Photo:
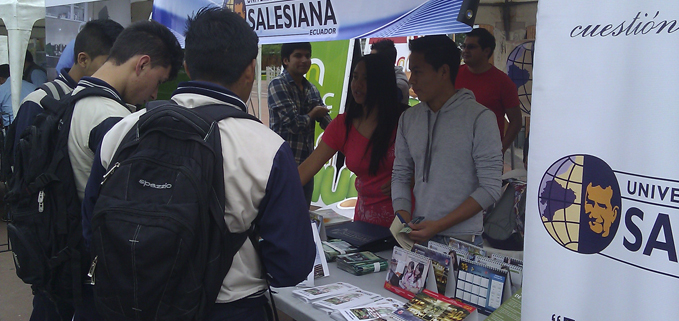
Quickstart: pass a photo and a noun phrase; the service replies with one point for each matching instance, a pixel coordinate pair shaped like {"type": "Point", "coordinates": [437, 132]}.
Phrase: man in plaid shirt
{"type": "Point", "coordinates": [295, 105]}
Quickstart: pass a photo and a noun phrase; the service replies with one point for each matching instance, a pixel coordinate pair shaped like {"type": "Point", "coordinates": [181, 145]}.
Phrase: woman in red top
{"type": "Point", "coordinates": [365, 134]}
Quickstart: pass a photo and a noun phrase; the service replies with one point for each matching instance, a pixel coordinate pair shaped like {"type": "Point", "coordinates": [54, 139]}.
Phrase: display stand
{"type": "Point", "coordinates": [287, 303]}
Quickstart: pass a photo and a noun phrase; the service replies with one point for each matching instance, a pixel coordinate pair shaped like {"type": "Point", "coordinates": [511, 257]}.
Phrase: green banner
{"type": "Point", "coordinates": [329, 73]}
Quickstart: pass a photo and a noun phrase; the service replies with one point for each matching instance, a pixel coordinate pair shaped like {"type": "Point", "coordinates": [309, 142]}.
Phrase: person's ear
{"type": "Point", "coordinates": [143, 62]}
{"type": "Point", "coordinates": [250, 71]}
{"type": "Point", "coordinates": [487, 52]}
{"type": "Point", "coordinates": [83, 59]}
{"type": "Point", "coordinates": [444, 71]}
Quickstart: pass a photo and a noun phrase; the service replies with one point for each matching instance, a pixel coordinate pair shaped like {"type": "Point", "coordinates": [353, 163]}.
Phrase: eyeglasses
{"type": "Point", "coordinates": [469, 46]}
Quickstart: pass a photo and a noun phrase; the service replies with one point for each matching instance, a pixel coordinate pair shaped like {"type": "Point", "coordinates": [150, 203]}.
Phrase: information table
{"type": "Point", "coordinates": [301, 311]}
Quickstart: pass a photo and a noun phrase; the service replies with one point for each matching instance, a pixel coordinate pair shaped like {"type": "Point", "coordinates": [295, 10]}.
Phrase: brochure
{"type": "Point", "coordinates": [335, 247]}
{"type": "Point", "coordinates": [375, 310]}
{"type": "Point", "coordinates": [318, 292]}
{"type": "Point", "coordinates": [345, 300]}
{"type": "Point", "coordinates": [361, 263]}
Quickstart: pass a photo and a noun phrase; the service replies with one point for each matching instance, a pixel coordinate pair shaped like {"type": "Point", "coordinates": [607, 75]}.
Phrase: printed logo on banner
{"type": "Point", "coordinates": [580, 203]}
{"type": "Point", "coordinates": [238, 7]}
{"type": "Point", "coordinates": [314, 18]}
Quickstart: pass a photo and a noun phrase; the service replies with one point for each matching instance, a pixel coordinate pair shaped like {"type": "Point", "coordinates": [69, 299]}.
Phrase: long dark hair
{"type": "Point", "coordinates": [382, 94]}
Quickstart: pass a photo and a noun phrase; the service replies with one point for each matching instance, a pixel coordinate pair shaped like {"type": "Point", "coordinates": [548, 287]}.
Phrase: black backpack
{"type": "Point", "coordinates": [45, 229]}
{"type": "Point", "coordinates": [160, 244]}
{"type": "Point", "coordinates": [53, 90]}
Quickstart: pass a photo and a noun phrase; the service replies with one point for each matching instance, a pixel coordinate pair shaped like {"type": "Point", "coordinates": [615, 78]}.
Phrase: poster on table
{"type": "Point", "coordinates": [277, 21]}
{"type": "Point", "coordinates": [603, 201]}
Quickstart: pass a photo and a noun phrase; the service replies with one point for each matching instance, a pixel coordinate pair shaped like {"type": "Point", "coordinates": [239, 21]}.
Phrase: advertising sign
{"type": "Point", "coordinates": [329, 72]}
{"type": "Point", "coordinates": [603, 181]}
{"type": "Point", "coordinates": [277, 21]}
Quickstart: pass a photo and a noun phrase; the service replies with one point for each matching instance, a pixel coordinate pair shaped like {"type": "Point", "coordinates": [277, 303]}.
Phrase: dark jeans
{"type": "Point", "coordinates": [46, 310]}
{"type": "Point", "coordinates": [253, 309]}
{"type": "Point", "coordinates": [308, 191]}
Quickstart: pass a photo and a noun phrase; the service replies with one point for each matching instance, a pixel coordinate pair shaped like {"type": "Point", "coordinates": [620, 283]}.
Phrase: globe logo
{"type": "Point", "coordinates": [579, 203]}
{"type": "Point", "coordinates": [520, 71]}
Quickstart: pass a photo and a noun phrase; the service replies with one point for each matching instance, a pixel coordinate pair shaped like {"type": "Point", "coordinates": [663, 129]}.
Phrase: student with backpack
{"type": "Point", "coordinates": [92, 45]}
{"type": "Point", "coordinates": [145, 55]}
{"type": "Point", "coordinates": [197, 165]}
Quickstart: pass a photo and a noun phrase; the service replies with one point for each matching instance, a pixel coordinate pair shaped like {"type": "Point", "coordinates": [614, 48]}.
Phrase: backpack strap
{"type": "Point", "coordinates": [53, 89]}
{"type": "Point", "coordinates": [217, 112]}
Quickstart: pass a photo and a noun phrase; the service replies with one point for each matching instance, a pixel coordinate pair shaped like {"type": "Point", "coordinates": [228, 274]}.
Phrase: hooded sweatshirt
{"type": "Point", "coordinates": [453, 154]}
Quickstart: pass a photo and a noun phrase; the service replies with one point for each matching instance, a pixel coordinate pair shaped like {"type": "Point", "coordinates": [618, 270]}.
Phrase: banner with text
{"type": "Point", "coordinates": [603, 199]}
{"type": "Point", "coordinates": [277, 21]}
{"type": "Point", "coordinates": [329, 72]}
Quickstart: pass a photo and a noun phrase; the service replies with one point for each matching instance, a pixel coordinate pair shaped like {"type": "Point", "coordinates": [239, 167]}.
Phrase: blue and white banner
{"type": "Point", "coordinates": [281, 21]}
{"type": "Point", "coordinates": [603, 181]}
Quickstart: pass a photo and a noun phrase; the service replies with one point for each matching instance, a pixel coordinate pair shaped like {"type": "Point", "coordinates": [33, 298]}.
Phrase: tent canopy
{"type": "Point", "coordinates": [295, 21]}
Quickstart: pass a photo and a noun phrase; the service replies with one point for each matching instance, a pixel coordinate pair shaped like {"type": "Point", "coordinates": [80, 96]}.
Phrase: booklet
{"type": "Point", "coordinates": [432, 306]}
{"type": "Point", "coordinates": [361, 263]}
{"type": "Point", "coordinates": [345, 300]}
{"type": "Point", "coordinates": [330, 217]}
{"type": "Point", "coordinates": [400, 230]}
{"type": "Point", "coordinates": [318, 292]}
{"type": "Point", "coordinates": [378, 309]}
{"type": "Point", "coordinates": [335, 247]}
{"type": "Point", "coordinates": [407, 273]}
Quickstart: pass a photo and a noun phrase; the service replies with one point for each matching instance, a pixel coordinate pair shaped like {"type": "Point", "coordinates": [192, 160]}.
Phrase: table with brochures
{"type": "Point", "coordinates": [300, 311]}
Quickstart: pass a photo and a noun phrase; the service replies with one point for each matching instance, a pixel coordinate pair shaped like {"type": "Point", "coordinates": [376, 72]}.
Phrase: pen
{"type": "Point", "coordinates": [400, 218]}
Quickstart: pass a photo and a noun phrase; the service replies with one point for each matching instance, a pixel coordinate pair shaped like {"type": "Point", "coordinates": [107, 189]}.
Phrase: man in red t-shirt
{"type": "Point", "coordinates": [491, 87]}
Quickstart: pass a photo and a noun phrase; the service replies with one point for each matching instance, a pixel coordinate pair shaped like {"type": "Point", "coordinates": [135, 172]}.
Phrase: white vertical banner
{"type": "Point", "coordinates": [19, 17]}
{"type": "Point", "coordinates": [603, 200]}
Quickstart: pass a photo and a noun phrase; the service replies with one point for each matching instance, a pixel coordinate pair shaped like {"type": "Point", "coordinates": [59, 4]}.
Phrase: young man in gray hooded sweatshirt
{"type": "Point", "coordinates": [450, 145]}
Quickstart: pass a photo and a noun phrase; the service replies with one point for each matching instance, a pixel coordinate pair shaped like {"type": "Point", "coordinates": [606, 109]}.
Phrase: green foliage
{"type": "Point", "coordinates": [166, 89]}
{"type": "Point", "coordinates": [272, 50]}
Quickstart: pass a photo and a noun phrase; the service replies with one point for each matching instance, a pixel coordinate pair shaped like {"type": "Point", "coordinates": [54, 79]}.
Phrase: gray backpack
{"type": "Point", "coordinates": [503, 223]}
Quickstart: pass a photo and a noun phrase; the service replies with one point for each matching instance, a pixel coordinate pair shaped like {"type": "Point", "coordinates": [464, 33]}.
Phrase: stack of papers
{"type": "Point", "coordinates": [345, 301]}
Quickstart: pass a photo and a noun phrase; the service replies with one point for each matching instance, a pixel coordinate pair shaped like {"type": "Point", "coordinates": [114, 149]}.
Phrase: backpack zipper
{"type": "Point", "coordinates": [41, 198]}
{"type": "Point", "coordinates": [110, 171]}
{"type": "Point", "coordinates": [90, 274]}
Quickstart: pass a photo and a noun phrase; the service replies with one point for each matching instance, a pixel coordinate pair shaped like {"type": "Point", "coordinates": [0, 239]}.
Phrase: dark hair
{"type": "Point", "coordinates": [381, 95]}
{"type": "Point", "coordinates": [29, 56]}
{"type": "Point", "coordinates": [420, 267]}
{"type": "Point", "coordinates": [4, 71]}
{"type": "Point", "coordinates": [385, 47]}
{"type": "Point", "coordinates": [438, 50]}
{"type": "Point", "coordinates": [152, 39]}
{"type": "Point", "coordinates": [486, 39]}
{"type": "Point", "coordinates": [219, 45]}
{"type": "Point", "coordinates": [288, 48]}
{"type": "Point", "coordinates": [96, 38]}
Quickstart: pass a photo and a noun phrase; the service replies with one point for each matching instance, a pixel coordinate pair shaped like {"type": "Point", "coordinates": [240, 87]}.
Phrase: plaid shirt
{"type": "Point", "coordinates": [288, 109]}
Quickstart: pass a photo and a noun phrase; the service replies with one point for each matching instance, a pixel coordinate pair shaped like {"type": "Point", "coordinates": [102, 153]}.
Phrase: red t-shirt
{"type": "Point", "coordinates": [372, 205]}
{"type": "Point", "coordinates": [493, 89]}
